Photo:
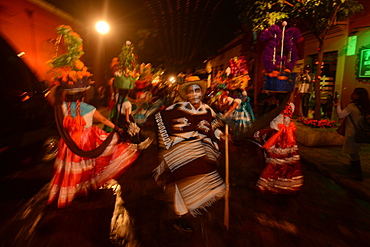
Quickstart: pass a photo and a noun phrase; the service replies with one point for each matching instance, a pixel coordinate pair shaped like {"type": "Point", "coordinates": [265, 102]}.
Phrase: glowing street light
{"type": "Point", "coordinates": [102, 27]}
{"type": "Point", "coordinates": [172, 79]}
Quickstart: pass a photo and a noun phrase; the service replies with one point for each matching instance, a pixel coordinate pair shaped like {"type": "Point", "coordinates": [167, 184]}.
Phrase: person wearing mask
{"type": "Point", "coordinates": [187, 136]}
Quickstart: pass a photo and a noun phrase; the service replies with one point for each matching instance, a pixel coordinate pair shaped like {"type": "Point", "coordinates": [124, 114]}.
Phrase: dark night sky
{"type": "Point", "coordinates": [185, 37]}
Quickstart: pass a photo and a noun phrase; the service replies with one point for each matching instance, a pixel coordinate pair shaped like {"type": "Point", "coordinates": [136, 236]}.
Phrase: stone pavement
{"type": "Point", "coordinates": [330, 162]}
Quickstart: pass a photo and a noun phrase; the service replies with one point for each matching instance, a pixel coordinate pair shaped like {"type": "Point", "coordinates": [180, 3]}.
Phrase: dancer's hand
{"type": "Point", "coordinates": [223, 137]}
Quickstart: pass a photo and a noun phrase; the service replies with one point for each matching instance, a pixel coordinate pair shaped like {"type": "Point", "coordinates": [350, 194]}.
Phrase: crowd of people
{"type": "Point", "coordinates": [190, 118]}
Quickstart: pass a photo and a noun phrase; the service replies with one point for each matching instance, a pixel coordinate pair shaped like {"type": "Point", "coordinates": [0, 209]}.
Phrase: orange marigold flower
{"type": "Point", "coordinates": [80, 74]}
{"type": "Point", "coordinates": [79, 65]}
{"type": "Point", "coordinates": [282, 78]}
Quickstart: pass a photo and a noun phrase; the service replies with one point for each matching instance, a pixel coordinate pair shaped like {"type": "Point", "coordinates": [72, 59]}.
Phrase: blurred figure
{"type": "Point", "coordinates": [235, 112]}
{"type": "Point", "coordinates": [355, 110]}
{"type": "Point", "coordinates": [87, 156]}
{"type": "Point", "coordinates": [304, 84]}
{"type": "Point", "coordinates": [262, 99]}
{"type": "Point", "coordinates": [283, 172]}
{"type": "Point", "coordinates": [188, 136]}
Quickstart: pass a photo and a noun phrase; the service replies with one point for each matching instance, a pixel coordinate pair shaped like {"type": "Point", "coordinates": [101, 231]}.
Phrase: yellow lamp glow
{"type": "Point", "coordinates": [102, 27]}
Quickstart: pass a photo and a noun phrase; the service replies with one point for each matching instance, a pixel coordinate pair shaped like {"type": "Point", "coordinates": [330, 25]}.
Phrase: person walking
{"type": "Point", "coordinates": [187, 136]}
{"type": "Point", "coordinates": [355, 110]}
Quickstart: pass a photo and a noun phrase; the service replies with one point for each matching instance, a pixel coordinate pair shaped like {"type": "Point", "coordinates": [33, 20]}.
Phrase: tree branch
{"type": "Point", "coordinates": [331, 23]}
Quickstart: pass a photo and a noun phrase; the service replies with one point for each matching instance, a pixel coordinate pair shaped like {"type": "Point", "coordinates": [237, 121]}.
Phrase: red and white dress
{"type": "Point", "coordinates": [75, 175]}
{"type": "Point", "coordinates": [283, 171]}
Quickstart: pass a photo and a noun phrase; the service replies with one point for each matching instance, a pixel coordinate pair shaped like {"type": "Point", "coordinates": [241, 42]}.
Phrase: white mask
{"type": "Point", "coordinates": [194, 94]}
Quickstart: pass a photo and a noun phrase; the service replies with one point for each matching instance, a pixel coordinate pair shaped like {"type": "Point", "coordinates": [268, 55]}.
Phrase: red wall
{"type": "Point", "coordinates": [31, 29]}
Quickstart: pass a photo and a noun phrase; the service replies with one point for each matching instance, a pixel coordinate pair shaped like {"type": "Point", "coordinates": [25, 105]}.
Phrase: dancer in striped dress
{"type": "Point", "coordinates": [87, 156]}
{"type": "Point", "coordinates": [188, 135]}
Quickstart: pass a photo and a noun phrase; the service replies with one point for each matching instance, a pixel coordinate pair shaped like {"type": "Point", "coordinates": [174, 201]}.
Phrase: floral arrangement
{"type": "Point", "coordinates": [123, 67]}
{"type": "Point", "coordinates": [324, 123]}
{"type": "Point", "coordinates": [280, 53]}
{"type": "Point", "coordinates": [237, 73]}
{"type": "Point", "coordinates": [238, 66]}
{"type": "Point", "coordinates": [124, 64]}
{"type": "Point", "coordinates": [67, 69]}
{"type": "Point", "coordinates": [279, 57]}
{"type": "Point", "coordinates": [145, 77]}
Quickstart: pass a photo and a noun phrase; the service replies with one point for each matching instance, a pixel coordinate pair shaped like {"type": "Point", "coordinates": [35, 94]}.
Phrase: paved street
{"type": "Point", "coordinates": [323, 214]}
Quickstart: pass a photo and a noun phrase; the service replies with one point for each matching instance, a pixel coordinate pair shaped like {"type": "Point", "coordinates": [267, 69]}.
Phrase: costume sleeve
{"type": "Point", "coordinates": [346, 111]}
{"type": "Point", "coordinates": [277, 120]}
{"type": "Point", "coordinates": [164, 131]}
{"type": "Point", "coordinates": [163, 120]}
{"type": "Point", "coordinates": [218, 133]}
{"type": "Point", "coordinates": [86, 108]}
{"type": "Point", "coordinates": [238, 101]}
{"type": "Point", "coordinates": [126, 105]}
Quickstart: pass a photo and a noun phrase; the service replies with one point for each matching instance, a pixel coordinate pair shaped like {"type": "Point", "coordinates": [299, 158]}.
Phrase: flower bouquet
{"type": "Point", "coordinates": [123, 68]}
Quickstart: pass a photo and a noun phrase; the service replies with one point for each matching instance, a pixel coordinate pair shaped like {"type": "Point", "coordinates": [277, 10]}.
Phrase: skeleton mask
{"type": "Point", "coordinates": [194, 94]}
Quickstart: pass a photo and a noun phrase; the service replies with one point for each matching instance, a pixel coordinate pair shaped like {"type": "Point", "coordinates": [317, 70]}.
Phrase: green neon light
{"type": "Point", "coordinates": [351, 46]}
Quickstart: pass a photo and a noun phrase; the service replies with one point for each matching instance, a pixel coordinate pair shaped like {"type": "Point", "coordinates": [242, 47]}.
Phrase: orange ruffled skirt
{"type": "Point", "coordinates": [75, 176]}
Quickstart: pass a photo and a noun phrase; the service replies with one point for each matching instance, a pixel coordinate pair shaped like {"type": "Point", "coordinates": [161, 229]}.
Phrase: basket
{"type": "Point", "coordinates": [123, 82]}
{"type": "Point", "coordinates": [276, 85]}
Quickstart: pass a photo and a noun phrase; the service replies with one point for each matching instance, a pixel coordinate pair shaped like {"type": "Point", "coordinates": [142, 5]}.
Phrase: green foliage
{"type": "Point", "coordinates": [73, 43]}
{"type": "Point", "coordinates": [127, 57]}
{"type": "Point", "coordinates": [314, 15]}
{"type": "Point", "coordinates": [317, 16]}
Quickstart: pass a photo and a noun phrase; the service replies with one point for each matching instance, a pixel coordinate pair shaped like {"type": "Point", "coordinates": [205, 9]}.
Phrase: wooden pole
{"type": "Point", "coordinates": [226, 210]}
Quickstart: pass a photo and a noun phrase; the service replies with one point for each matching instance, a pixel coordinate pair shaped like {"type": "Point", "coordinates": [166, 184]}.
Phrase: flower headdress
{"type": "Point", "coordinates": [67, 69]}
{"type": "Point", "coordinates": [238, 73]}
{"type": "Point", "coordinates": [238, 66]}
{"type": "Point", "coordinates": [145, 77]}
{"type": "Point", "coordinates": [124, 64]}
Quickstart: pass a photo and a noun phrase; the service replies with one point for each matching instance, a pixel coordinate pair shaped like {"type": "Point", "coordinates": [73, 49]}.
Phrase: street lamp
{"type": "Point", "coordinates": [102, 27]}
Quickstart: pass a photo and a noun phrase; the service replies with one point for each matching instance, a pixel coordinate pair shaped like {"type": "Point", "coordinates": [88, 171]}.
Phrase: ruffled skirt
{"type": "Point", "coordinates": [75, 175]}
{"type": "Point", "coordinates": [283, 171]}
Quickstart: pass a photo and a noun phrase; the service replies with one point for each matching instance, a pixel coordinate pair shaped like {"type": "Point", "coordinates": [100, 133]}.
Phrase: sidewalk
{"type": "Point", "coordinates": [330, 162]}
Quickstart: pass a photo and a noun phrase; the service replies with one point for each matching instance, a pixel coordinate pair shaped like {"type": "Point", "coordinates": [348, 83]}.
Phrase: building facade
{"type": "Point", "coordinates": [29, 26]}
{"type": "Point", "coordinates": [346, 53]}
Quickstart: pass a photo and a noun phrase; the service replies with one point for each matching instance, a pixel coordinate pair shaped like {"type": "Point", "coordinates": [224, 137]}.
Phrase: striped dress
{"type": "Point", "coordinates": [283, 171]}
{"type": "Point", "coordinates": [77, 176]}
{"type": "Point", "coordinates": [189, 156]}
